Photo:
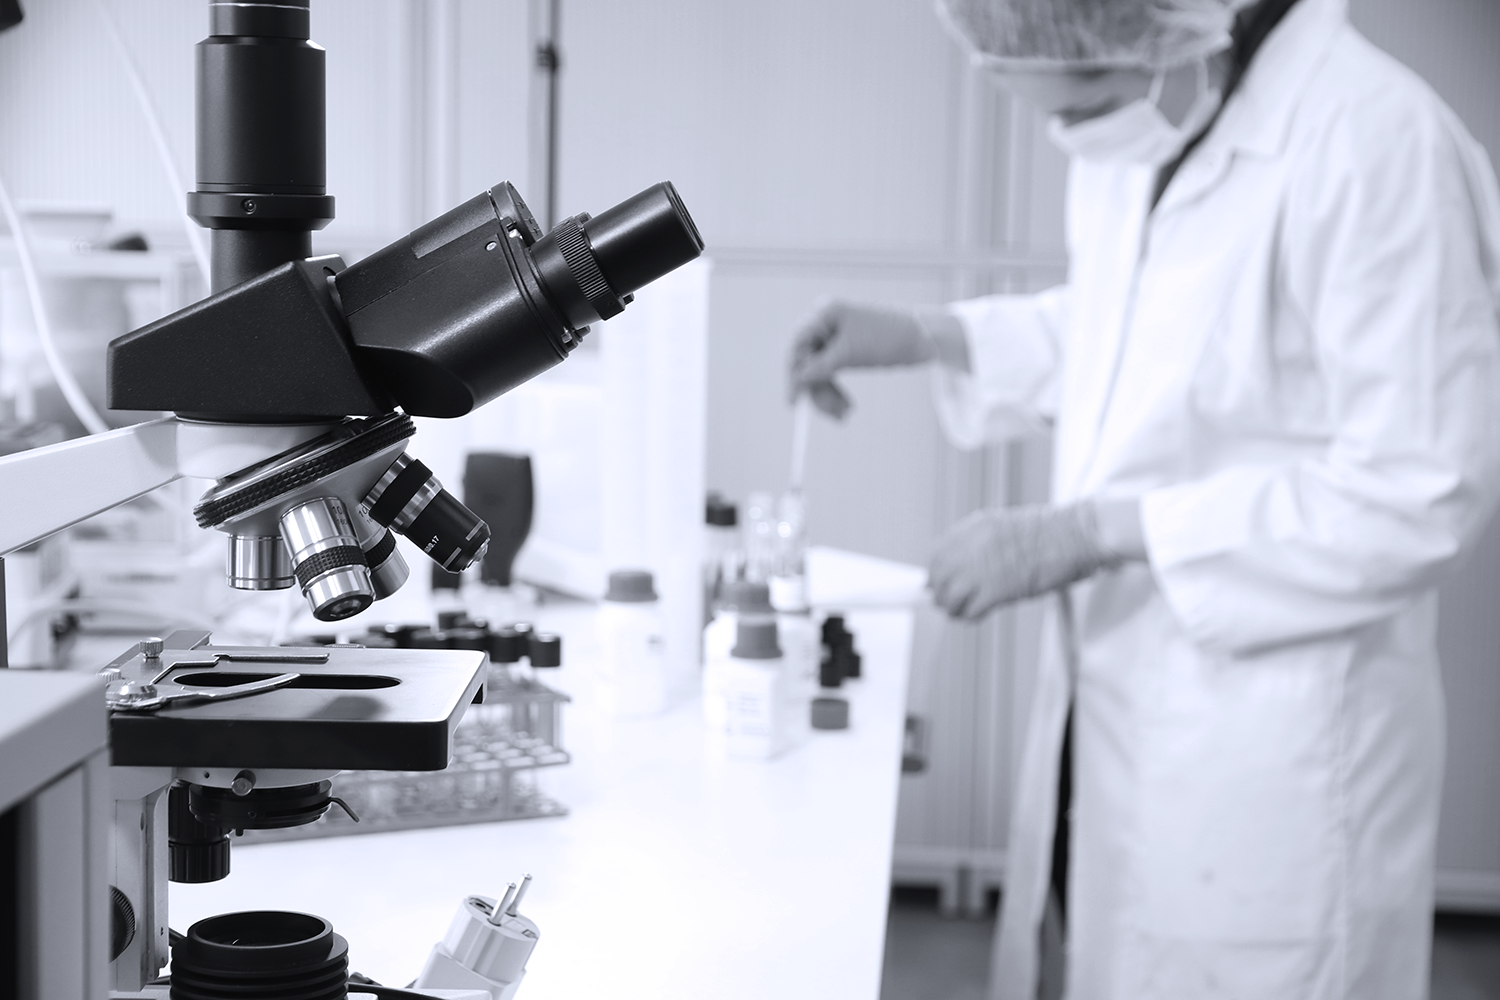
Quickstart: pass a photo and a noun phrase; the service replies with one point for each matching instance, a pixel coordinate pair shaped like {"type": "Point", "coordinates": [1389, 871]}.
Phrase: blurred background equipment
{"type": "Point", "coordinates": [498, 487]}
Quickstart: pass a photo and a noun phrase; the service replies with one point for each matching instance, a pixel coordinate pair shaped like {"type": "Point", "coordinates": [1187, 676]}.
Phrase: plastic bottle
{"type": "Point", "coordinates": [751, 682]}
{"type": "Point", "coordinates": [633, 677]}
{"type": "Point", "coordinates": [741, 600]}
{"type": "Point", "coordinates": [723, 555]}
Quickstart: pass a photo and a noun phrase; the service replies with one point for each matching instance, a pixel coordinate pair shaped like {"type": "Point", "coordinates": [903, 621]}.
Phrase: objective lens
{"type": "Point", "coordinates": [259, 562]}
{"type": "Point", "coordinates": [388, 571]}
{"type": "Point", "coordinates": [409, 500]}
{"type": "Point", "coordinates": [326, 558]}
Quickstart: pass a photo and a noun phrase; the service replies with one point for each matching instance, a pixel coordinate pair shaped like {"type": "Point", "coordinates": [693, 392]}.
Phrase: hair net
{"type": "Point", "coordinates": [1092, 33]}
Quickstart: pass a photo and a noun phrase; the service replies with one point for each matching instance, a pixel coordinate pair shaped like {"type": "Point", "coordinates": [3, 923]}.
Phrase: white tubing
{"type": "Point", "coordinates": [141, 610]}
{"type": "Point", "coordinates": [158, 139]}
{"type": "Point", "coordinates": [72, 392]}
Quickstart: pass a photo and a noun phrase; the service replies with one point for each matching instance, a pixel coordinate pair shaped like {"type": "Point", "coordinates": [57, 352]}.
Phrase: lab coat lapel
{"type": "Point", "coordinates": [1255, 122]}
{"type": "Point", "coordinates": [1111, 203]}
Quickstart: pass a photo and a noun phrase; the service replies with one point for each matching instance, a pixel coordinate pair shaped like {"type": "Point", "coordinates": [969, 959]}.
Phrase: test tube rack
{"type": "Point", "coordinates": [498, 749]}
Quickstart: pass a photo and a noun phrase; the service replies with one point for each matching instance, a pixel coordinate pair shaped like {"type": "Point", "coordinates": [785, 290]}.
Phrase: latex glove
{"type": "Point", "coordinates": [1004, 554]}
{"type": "Point", "coordinates": [842, 335]}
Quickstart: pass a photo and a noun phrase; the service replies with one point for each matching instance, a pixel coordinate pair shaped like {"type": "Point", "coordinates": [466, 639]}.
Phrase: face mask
{"type": "Point", "coordinates": [1138, 132]}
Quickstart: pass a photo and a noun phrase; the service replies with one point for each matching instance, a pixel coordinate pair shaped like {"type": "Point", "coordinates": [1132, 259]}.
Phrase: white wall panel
{"type": "Point", "coordinates": [1452, 44]}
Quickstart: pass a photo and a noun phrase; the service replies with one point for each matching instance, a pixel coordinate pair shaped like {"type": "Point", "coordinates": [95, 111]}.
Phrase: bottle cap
{"type": "Point", "coordinates": [720, 512]}
{"type": "Point", "coordinates": [506, 645]}
{"type": "Point", "coordinates": [846, 661]}
{"type": "Point", "coordinates": [544, 649]}
{"type": "Point", "coordinates": [745, 597]}
{"type": "Point", "coordinates": [452, 619]}
{"type": "Point", "coordinates": [401, 634]}
{"type": "Point", "coordinates": [631, 586]}
{"type": "Point", "coordinates": [830, 713]}
{"type": "Point", "coordinates": [467, 637]}
{"type": "Point", "coordinates": [755, 639]}
{"type": "Point", "coordinates": [429, 638]}
{"type": "Point", "coordinates": [831, 671]}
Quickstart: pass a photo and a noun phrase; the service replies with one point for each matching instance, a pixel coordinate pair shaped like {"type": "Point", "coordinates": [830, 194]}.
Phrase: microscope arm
{"type": "Point", "coordinates": [47, 489]}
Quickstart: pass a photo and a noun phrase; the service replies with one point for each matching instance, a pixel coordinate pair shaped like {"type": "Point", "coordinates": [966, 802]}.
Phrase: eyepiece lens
{"type": "Point", "coordinates": [643, 238]}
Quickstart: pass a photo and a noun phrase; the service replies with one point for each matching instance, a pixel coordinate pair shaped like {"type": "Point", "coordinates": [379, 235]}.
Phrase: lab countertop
{"type": "Point", "coordinates": [675, 874]}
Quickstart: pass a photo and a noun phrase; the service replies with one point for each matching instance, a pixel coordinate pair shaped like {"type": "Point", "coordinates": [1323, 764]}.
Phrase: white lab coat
{"type": "Point", "coordinates": [1294, 362]}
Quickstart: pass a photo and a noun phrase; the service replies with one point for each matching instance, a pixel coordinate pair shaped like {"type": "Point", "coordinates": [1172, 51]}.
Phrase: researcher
{"type": "Point", "coordinates": [1273, 381]}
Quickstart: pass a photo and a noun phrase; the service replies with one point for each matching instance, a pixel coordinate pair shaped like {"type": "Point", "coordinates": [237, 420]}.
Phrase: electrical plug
{"type": "Point", "coordinates": [486, 947]}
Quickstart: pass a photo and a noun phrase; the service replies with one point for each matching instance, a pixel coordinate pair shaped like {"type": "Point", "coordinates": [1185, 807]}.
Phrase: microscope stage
{"type": "Point", "coordinates": [361, 709]}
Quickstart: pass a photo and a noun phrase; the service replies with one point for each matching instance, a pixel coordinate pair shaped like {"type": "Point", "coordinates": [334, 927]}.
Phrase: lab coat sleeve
{"type": "Point", "coordinates": [1388, 255]}
{"type": "Point", "coordinates": [1010, 390]}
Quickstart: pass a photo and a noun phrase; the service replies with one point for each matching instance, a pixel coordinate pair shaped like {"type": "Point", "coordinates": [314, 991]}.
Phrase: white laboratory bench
{"type": "Point", "coordinates": [674, 875]}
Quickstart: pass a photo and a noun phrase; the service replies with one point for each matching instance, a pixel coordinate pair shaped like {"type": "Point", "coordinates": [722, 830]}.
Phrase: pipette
{"type": "Point", "coordinates": [801, 425]}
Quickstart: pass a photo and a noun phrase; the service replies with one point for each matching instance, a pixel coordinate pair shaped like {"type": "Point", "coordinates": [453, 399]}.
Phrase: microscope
{"type": "Point", "coordinates": [293, 385]}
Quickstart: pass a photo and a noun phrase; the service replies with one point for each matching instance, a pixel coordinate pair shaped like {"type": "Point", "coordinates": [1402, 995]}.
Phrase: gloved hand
{"type": "Point", "coordinates": [1004, 554]}
{"type": "Point", "coordinates": [843, 335]}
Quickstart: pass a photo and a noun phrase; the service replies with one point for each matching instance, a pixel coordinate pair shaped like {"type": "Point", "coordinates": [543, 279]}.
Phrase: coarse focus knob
{"type": "Point", "coordinates": [121, 922]}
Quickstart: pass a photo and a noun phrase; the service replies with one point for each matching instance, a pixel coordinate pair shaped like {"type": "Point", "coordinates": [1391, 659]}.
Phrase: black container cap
{"type": "Point", "coordinates": [452, 619]}
{"type": "Point", "coordinates": [830, 713]}
{"type": "Point", "coordinates": [834, 630]}
{"type": "Point", "coordinates": [507, 645]}
{"type": "Point", "coordinates": [755, 639]}
{"type": "Point", "coordinates": [430, 639]}
{"type": "Point", "coordinates": [468, 637]}
{"type": "Point", "coordinates": [400, 633]}
{"type": "Point", "coordinates": [831, 672]}
{"type": "Point", "coordinates": [720, 512]}
{"type": "Point", "coordinates": [545, 649]}
{"type": "Point", "coordinates": [744, 597]}
{"type": "Point", "coordinates": [631, 586]}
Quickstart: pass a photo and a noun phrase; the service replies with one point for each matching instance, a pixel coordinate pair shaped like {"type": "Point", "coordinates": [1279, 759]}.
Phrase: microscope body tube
{"type": "Point", "coordinates": [261, 131]}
